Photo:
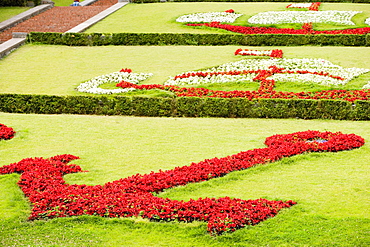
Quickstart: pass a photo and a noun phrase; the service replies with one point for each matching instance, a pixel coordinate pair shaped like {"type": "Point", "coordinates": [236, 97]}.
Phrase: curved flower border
{"type": "Point", "coordinates": [92, 86]}
{"type": "Point", "coordinates": [42, 181]}
{"type": "Point", "coordinates": [227, 16]}
{"type": "Point", "coordinates": [342, 18]}
{"type": "Point", "coordinates": [310, 6]}
{"type": "Point", "coordinates": [6, 133]}
{"type": "Point", "coordinates": [281, 17]}
{"type": "Point", "coordinates": [304, 70]}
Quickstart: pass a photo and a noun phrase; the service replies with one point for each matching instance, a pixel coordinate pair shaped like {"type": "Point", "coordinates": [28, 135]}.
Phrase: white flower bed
{"type": "Point", "coordinates": [195, 80]}
{"type": "Point", "coordinates": [367, 21]}
{"type": "Point", "coordinates": [280, 17]}
{"type": "Point", "coordinates": [306, 64]}
{"type": "Point", "coordinates": [92, 86]}
{"type": "Point", "coordinates": [209, 17]}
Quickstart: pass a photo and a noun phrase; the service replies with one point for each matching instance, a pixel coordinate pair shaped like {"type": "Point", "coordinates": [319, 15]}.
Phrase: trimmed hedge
{"type": "Point", "coordinates": [13, 3]}
{"type": "Point", "coordinates": [99, 39]}
{"type": "Point", "coordinates": [185, 107]}
{"type": "Point", "coordinates": [20, 3]}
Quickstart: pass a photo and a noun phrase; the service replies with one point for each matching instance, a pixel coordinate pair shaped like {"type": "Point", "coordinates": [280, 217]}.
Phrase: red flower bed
{"type": "Point", "coordinates": [42, 181]}
{"type": "Point", "coordinates": [274, 30]}
{"type": "Point", "coordinates": [266, 89]}
{"type": "Point", "coordinates": [6, 132]}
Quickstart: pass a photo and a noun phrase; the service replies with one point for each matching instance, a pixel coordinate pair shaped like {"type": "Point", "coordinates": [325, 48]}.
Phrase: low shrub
{"type": "Point", "coordinates": [186, 107]}
{"type": "Point", "coordinates": [99, 39]}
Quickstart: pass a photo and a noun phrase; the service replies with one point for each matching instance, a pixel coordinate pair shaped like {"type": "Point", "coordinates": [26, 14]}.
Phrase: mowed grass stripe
{"type": "Point", "coordinates": [58, 70]}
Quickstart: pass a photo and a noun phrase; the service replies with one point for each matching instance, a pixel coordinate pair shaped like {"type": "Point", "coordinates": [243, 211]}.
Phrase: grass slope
{"type": "Point", "coordinates": [58, 70]}
{"type": "Point", "coordinates": [161, 18]}
{"type": "Point", "coordinates": [332, 189]}
{"type": "Point", "coordinates": [9, 12]}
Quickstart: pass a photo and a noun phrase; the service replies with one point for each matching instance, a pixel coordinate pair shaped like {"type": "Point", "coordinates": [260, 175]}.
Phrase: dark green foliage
{"type": "Point", "coordinates": [98, 39]}
{"type": "Point", "coordinates": [185, 107]}
{"type": "Point", "coordinates": [188, 106]}
{"type": "Point", "coordinates": [152, 107]}
{"type": "Point", "coordinates": [13, 3]}
{"type": "Point", "coordinates": [361, 110]}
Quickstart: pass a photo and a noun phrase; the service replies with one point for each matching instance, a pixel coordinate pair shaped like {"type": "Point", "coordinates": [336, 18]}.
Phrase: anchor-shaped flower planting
{"type": "Point", "coordinates": [42, 181]}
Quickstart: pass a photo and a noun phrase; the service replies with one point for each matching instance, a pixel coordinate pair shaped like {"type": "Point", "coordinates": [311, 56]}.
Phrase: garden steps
{"type": "Point", "coordinates": [57, 19]}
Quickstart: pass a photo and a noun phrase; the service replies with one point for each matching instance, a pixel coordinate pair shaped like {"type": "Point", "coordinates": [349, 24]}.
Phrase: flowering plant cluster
{"type": "Point", "coordinates": [304, 17]}
{"type": "Point", "coordinates": [281, 17]}
{"type": "Point", "coordinates": [228, 16]}
{"type": "Point", "coordinates": [42, 181]}
{"type": "Point", "coordinates": [6, 132]}
{"type": "Point", "coordinates": [305, 70]}
{"type": "Point", "coordinates": [92, 86]}
{"type": "Point", "coordinates": [265, 91]}
{"type": "Point", "coordinates": [274, 30]}
{"type": "Point", "coordinates": [270, 53]}
{"type": "Point", "coordinates": [367, 21]}
{"type": "Point", "coordinates": [310, 6]}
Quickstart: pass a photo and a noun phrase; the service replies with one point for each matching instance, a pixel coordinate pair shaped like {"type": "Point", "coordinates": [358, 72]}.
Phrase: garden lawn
{"type": "Point", "coordinates": [332, 189]}
{"type": "Point", "coordinates": [9, 12]}
{"type": "Point", "coordinates": [58, 70]}
{"type": "Point", "coordinates": [63, 2]}
{"type": "Point", "coordinates": [161, 18]}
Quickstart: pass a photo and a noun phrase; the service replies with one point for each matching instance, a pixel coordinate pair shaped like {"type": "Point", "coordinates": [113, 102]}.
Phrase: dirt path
{"type": "Point", "coordinates": [58, 19]}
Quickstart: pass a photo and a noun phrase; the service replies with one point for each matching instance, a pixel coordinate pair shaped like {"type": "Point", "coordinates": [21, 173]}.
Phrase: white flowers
{"type": "Point", "coordinates": [209, 17]}
{"type": "Point", "coordinates": [367, 86]}
{"type": "Point", "coordinates": [92, 86]}
{"type": "Point", "coordinates": [328, 77]}
{"type": "Point", "coordinates": [367, 21]}
{"type": "Point", "coordinates": [280, 17]}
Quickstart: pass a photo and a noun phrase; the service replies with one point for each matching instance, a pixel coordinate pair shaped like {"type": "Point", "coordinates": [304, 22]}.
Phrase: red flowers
{"type": "Point", "coordinates": [126, 70]}
{"type": "Point", "coordinates": [271, 53]}
{"type": "Point", "coordinates": [42, 181]}
{"type": "Point", "coordinates": [229, 11]}
{"type": "Point", "coordinates": [266, 89]}
{"type": "Point", "coordinates": [274, 30]}
{"type": "Point", "coordinates": [6, 132]}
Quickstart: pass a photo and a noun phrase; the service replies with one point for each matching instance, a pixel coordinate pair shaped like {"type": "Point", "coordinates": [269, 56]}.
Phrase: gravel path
{"type": "Point", "coordinates": [58, 19]}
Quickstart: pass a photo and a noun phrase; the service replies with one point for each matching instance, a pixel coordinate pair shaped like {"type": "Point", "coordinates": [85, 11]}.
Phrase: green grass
{"type": "Point", "coordinates": [9, 12]}
{"type": "Point", "coordinates": [160, 18]}
{"type": "Point", "coordinates": [58, 70]}
{"type": "Point", "coordinates": [332, 189]}
{"type": "Point", "coordinates": [63, 2]}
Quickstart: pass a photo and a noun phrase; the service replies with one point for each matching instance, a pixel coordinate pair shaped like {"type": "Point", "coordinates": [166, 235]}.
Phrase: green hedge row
{"type": "Point", "coordinates": [13, 3]}
{"type": "Point", "coordinates": [20, 3]}
{"type": "Point", "coordinates": [99, 39]}
{"type": "Point", "coordinates": [333, 1]}
{"type": "Point", "coordinates": [185, 107]}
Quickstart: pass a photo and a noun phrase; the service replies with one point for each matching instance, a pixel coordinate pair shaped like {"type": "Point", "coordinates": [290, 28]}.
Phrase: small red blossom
{"type": "Point", "coordinates": [126, 70]}
{"type": "Point", "coordinates": [229, 11]}
{"type": "Point", "coordinates": [6, 132]}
